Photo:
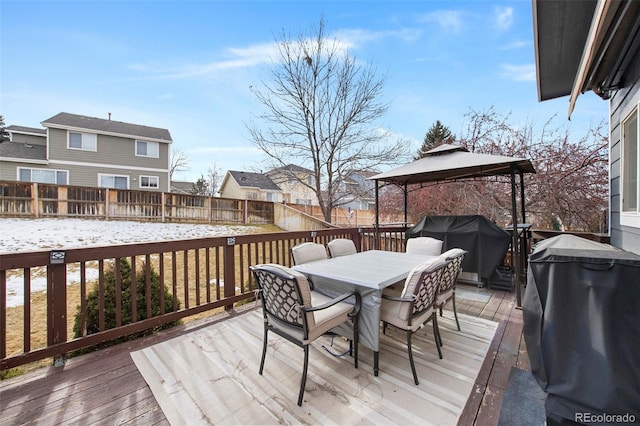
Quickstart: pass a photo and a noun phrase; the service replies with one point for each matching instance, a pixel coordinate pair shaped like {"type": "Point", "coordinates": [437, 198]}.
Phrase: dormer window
{"type": "Point", "coordinates": [147, 149]}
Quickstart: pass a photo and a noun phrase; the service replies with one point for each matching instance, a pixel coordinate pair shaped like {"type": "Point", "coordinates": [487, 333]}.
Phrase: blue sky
{"type": "Point", "coordinates": [187, 65]}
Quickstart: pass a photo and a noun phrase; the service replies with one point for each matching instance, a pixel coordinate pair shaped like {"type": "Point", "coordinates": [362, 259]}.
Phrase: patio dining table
{"type": "Point", "coordinates": [368, 273]}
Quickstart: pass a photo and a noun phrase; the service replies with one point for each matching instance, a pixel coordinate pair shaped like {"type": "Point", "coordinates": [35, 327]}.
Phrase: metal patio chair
{"type": "Point", "coordinates": [341, 247]}
{"type": "Point", "coordinates": [424, 245]}
{"type": "Point", "coordinates": [308, 252]}
{"type": "Point", "coordinates": [415, 305]}
{"type": "Point", "coordinates": [300, 315]}
{"type": "Point", "coordinates": [447, 291]}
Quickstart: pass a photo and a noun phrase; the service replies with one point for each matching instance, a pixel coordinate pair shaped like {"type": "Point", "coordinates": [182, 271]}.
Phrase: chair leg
{"type": "Point", "coordinates": [455, 311]}
{"type": "Point", "coordinates": [436, 333]}
{"type": "Point", "coordinates": [264, 348]}
{"type": "Point", "coordinates": [436, 330]}
{"type": "Point", "coordinates": [304, 374]}
{"type": "Point", "coordinates": [440, 307]}
{"type": "Point", "coordinates": [355, 341]}
{"type": "Point", "coordinates": [413, 367]}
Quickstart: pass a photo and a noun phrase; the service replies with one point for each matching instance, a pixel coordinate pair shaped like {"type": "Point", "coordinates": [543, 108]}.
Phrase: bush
{"type": "Point", "coordinates": [93, 302]}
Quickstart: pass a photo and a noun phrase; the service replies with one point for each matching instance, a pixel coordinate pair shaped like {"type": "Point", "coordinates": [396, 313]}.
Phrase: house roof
{"type": "Point", "coordinates": [23, 151]}
{"type": "Point", "coordinates": [291, 168]}
{"type": "Point", "coordinates": [181, 186]}
{"type": "Point", "coordinates": [254, 180]}
{"type": "Point", "coordinates": [65, 120]}
{"type": "Point", "coordinates": [449, 162]}
{"type": "Point", "coordinates": [584, 46]}
{"type": "Point", "coordinates": [27, 130]}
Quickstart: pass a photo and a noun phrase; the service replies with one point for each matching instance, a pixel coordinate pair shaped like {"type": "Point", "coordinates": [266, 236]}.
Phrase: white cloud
{"type": "Point", "coordinates": [516, 44]}
{"type": "Point", "coordinates": [503, 18]}
{"type": "Point", "coordinates": [525, 72]}
{"type": "Point", "coordinates": [357, 37]}
{"type": "Point", "coordinates": [449, 20]}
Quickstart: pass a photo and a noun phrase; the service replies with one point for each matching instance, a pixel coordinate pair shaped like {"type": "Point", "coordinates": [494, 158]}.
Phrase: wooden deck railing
{"type": "Point", "coordinates": [203, 274]}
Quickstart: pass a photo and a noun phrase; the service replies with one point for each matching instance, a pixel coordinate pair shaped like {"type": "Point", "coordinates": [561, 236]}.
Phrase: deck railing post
{"type": "Point", "coordinates": [57, 302]}
{"type": "Point", "coordinates": [229, 271]}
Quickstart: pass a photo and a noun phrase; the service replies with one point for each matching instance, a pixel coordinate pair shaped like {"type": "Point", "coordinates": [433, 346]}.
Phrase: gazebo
{"type": "Point", "coordinates": [453, 163]}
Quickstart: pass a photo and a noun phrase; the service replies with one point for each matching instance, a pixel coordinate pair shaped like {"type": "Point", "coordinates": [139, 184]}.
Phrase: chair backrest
{"type": "Point", "coordinates": [284, 292]}
{"type": "Point", "coordinates": [454, 256]}
{"type": "Point", "coordinates": [341, 247]}
{"type": "Point", "coordinates": [422, 283]}
{"type": "Point", "coordinates": [424, 245]}
{"type": "Point", "coordinates": [308, 252]}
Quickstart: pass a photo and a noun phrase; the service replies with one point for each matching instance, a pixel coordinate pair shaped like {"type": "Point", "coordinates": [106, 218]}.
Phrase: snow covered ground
{"type": "Point", "coordinates": [44, 234]}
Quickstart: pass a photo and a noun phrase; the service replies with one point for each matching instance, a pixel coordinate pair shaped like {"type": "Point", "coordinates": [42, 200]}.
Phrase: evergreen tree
{"type": "Point", "coordinates": [437, 135]}
{"type": "Point", "coordinates": [4, 135]}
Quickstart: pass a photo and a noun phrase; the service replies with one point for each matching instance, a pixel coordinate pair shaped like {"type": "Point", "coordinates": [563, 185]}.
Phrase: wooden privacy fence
{"type": "Point", "coordinates": [34, 200]}
{"type": "Point", "coordinates": [199, 275]}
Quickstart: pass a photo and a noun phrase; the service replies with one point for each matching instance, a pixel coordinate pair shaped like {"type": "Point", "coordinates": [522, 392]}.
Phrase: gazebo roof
{"type": "Point", "coordinates": [449, 162]}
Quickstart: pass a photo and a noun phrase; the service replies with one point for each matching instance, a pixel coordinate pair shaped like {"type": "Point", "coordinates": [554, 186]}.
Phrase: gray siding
{"type": "Point", "coordinates": [621, 104]}
{"type": "Point", "coordinates": [86, 176]}
{"type": "Point", "coordinates": [111, 151]}
{"type": "Point", "coordinates": [30, 139]}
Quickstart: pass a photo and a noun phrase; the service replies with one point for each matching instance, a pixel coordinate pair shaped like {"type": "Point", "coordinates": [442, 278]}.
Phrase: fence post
{"type": "Point", "coordinates": [229, 271]}
{"type": "Point", "coordinates": [57, 302]}
{"type": "Point", "coordinates": [35, 208]}
{"type": "Point", "coordinates": [245, 212]}
{"type": "Point", "coordinates": [107, 205]}
{"type": "Point", "coordinates": [164, 202]}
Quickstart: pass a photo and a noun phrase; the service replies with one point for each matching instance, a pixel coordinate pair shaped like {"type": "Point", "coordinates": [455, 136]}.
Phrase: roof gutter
{"type": "Point", "coordinates": [590, 50]}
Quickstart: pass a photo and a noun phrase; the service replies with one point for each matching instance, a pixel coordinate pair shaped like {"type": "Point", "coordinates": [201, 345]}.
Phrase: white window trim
{"type": "Point", "coordinates": [631, 219]}
{"type": "Point", "coordinates": [45, 170]}
{"type": "Point", "coordinates": [82, 133]}
{"type": "Point", "coordinates": [157, 179]}
{"type": "Point", "coordinates": [157, 144]}
{"type": "Point", "coordinates": [101, 175]}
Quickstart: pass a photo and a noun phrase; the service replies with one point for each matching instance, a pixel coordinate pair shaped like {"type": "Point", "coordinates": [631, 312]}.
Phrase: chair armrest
{"type": "Point", "coordinates": [334, 301]}
{"type": "Point", "coordinates": [398, 299]}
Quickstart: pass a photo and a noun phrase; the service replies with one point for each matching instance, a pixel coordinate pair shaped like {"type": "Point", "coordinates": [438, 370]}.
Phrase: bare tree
{"type": "Point", "coordinates": [214, 177]}
{"type": "Point", "coordinates": [319, 112]}
{"type": "Point", "coordinates": [179, 163]}
{"type": "Point", "coordinates": [209, 183]}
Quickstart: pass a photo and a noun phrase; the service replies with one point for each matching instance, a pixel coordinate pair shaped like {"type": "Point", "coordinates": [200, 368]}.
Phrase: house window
{"type": "Point", "coordinates": [57, 177]}
{"type": "Point", "coordinates": [630, 160]}
{"type": "Point", "coordinates": [272, 196]}
{"type": "Point", "coordinates": [252, 195]}
{"type": "Point", "coordinates": [149, 182]}
{"type": "Point", "coordinates": [147, 149]}
{"type": "Point", "coordinates": [113, 181]}
{"type": "Point", "coordinates": [83, 141]}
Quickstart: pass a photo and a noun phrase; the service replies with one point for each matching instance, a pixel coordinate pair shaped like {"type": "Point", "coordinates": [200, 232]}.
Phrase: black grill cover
{"type": "Point", "coordinates": [486, 243]}
{"type": "Point", "coordinates": [581, 313]}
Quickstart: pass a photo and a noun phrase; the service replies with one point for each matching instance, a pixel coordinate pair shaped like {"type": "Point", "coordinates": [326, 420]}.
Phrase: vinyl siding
{"type": "Point", "coordinates": [86, 176]}
{"type": "Point", "coordinates": [111, 150]}
{"type": "Point", "coordinates": [621, 104]}
{"type": "Point", "coordinates": [30, 139]}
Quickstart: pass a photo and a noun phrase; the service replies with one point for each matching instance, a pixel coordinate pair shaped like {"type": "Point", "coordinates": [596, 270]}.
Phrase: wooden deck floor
{"type": "Point", "coordinates": [105, 387]}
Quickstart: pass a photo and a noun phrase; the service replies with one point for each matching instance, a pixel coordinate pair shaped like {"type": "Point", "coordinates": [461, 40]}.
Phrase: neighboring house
{"type": "Point", "coordinates": [289, 178]}
{"type": "Point", "coordinates": [360, 191]}
{"type": "Point", "coordinates": [182, 187]}
{"type": "Point", "coordinates": [593, 46]}
{"type": "Point", "coordinates": [88, 151]}
{"type": "Point", "coordinates": [249, 186]}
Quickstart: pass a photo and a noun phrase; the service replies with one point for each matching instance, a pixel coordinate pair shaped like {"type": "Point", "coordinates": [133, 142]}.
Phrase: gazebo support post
{"type": "Point", "coordinates": [515, 243]}
{"type": "Point", "coordinates": [406, 205]}
{"type": "Point", "coordinates": [377, 236]}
